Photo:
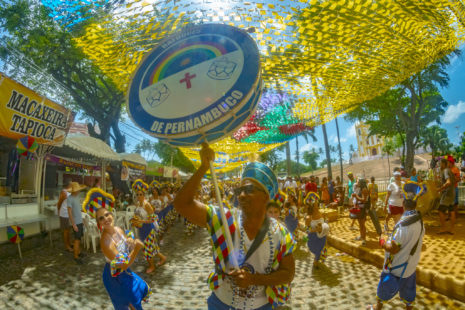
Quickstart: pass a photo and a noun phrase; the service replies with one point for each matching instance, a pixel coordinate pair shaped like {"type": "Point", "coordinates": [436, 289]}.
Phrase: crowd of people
{"type": "Point", "coordinates": [267, 219]}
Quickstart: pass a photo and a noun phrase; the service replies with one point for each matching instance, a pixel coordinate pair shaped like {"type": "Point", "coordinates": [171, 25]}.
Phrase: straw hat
{"type": "Point", "coordinates": [76, 187]}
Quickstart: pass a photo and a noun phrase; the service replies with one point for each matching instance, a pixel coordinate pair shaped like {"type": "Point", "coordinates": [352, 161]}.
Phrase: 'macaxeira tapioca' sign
{"type": "Point", "coordinates": [23, 112]}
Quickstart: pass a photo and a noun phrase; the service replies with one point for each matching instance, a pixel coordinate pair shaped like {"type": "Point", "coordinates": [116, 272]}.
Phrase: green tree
{"type": "Point", "coordinates": [172, 156]}
{"type": "Point", "coordinates": [388, 149]}
{"type": "Point", "coordinates": [294, 167]}
{"type": "Point", "coordinates": [436, 139]}
{"type": "Point", "coordinates": [28, 30]}
{"type": "Point", "coordinates": [146, 149]}
{"type": "Point", "coordinates": [408, 107]}
{"type": "Point", "coordinates": [306, 134]}
{"type": "Point", "coordinates": [271, 158]}
{"type": "Point", "coordinates": [311, 159]}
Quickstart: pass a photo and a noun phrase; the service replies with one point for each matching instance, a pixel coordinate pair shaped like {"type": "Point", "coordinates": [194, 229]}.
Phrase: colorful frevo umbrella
{"type": "Point", "coordinates": [26, 145]}
{"type": "Point", "coordinates": [95, 199]}
{"type": "Point", "coordinates": [15, 234]}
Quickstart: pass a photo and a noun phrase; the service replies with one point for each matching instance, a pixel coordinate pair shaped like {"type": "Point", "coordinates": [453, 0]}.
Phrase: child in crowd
{"type": "Point", "coordinates": [273, 210]}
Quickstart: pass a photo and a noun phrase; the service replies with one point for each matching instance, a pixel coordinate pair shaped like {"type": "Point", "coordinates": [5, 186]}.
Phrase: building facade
{"type": "Point", "coordinates": [367, 145]}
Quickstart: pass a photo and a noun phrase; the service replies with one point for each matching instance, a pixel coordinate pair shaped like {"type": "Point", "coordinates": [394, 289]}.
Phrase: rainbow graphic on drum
{"type": "Point", "coordinates": [193, 53]}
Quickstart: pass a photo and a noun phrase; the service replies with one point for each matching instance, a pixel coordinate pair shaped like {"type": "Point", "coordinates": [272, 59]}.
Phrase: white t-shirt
{"type": "Point", "coordinates": [290, 184]}
{"type": "Point", "coordinates": [397, 196]}
{"type": "Point", "coordinates": [64, 206]}
{"type": "Point", "coordinates": [256, 263]}
{"type": "Point", "coordinates": [405, 237]}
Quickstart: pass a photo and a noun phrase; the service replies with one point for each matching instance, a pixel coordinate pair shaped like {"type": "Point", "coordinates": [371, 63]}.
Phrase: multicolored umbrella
{"type": "Point", "coordinates": [15, 234]}
{"type": "Point", "coordinates": [26, 145]}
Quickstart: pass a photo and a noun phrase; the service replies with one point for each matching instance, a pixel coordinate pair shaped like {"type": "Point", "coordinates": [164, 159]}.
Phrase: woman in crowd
{"type": "Point", "coordinates": [361, 205]}
{"type": "Point", "coordinates": [394, 199]}
{"type": "Point", "coordinates": [325, 196]}
{"type": "Point", "coordinates": [125, 288]}
{"type": "Point", "coordinates": [317, 229]}
{"type": "Point", "coordinates": [155, 201]}
{"type": "Point", "coordinates": [146, 220]}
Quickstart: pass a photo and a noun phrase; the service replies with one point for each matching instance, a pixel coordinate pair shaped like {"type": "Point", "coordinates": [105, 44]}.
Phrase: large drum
{"type": "Point", "coordinates": [198, 85]}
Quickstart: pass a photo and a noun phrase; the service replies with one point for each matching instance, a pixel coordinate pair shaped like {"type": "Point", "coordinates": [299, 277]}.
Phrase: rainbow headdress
{"type": "Point", "coordinates": [154, 184]}
{"type": "Point", "coordinates": [311, 198]}
{"type": "Point", "coordinates": [280, 197]}
{"type": "Point", "coordinates": [139, 185]}
{"type": "Point", "coordinates": [96, 199]}
{"type": "Point", "coordinates": [417, 189]}
{"type": "Point", "coordinates": [262, 174]}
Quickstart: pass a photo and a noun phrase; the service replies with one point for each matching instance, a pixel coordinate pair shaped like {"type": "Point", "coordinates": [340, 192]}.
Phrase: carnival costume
{"type": "Point", "coordinates": [124, 287]}
{"type": "Point", "coordinates": [398, 275]}
{"type": "Point", "coordinates": [277, 243]}
{"type": "Point", "coordinates": [316, 241]}
{"type": "Point", "coordinates": [147, 231]}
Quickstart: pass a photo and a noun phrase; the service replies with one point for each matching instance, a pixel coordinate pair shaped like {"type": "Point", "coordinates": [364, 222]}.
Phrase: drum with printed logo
{"type": "Point", "coordinates": [197, 85]}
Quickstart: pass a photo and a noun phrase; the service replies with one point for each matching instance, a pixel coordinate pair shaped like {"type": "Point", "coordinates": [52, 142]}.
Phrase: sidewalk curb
{"type": "Point", "coordinates": [444, 284]}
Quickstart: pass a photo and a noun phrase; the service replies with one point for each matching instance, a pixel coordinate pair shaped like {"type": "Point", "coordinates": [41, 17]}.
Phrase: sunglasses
{"type": "Point", "coordinates": [101, 218]}
{"type": "Point", "coordinates": [247, 189]}
{"type": "Point", "coordinates": [140, 194]}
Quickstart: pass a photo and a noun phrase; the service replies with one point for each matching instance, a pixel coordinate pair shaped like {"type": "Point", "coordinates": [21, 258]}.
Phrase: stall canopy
{"type": "Point", "coordinates": [92, 148]}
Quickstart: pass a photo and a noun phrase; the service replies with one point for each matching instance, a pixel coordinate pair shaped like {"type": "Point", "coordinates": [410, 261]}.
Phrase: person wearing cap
{"type": "Point", "coordinates": [75, 218]}
{"type": "Point", "coordinates": [446, 202]}
{"type": "Point", "coordinates": [394, 200]}
{"type": "Point", "coordinates": [402, 253]}
{"type": "Point", "coordinates": [262, 246]}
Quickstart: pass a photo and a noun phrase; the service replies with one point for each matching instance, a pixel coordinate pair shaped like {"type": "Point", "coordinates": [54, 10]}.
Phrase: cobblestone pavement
{"type": "Point", "coordinates": [48, 279]}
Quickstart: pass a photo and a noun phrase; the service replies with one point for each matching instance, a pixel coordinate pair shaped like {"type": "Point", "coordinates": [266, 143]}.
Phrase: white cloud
{"type": "Point", "coordinates": [333, 139]}
{"type": "Point", "coordinates": [351, 132]}
{"type": "Point", "coordinates": [307, 147]}
{"type": "Point", "coordinates": [453, 112]}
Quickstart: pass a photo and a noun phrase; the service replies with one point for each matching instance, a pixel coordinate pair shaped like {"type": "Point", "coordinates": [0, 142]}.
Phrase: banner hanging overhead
{"type": "Point", "coordinates": [23, 112]}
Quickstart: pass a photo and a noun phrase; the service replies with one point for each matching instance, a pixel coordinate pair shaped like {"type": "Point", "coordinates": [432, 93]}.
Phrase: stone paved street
{"type": "Point", "coordinates": [49, 279]}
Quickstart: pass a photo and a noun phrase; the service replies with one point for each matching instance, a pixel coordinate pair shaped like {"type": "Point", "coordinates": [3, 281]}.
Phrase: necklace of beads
{"type": "Point", "coordinates": [252, 288]}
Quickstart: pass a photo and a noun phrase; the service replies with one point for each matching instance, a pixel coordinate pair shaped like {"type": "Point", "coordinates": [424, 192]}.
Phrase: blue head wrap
{"type": "Point", "coordinates": [260, 173]}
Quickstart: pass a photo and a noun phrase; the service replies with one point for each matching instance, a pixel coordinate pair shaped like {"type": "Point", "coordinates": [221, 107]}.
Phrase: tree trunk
{"type": "Point", "coordinates": [288, 158]}
{"type": "Point", "coordinates": [297, 155]}
{"type": "Point", "coordinates": [119, 138]}
{"type": "Point", "coordinates": [328, 156]}
{"type": "Point", "coordinates": [410, 152]}
{"type": "Point", "coordinates": [340, 150]}
{"type": "Point", "coordinates": [389, 166]}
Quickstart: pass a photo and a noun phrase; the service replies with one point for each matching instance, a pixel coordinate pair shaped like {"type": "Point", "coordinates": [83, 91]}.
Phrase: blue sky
{"type": "Point", "coordinates": [453, 120]}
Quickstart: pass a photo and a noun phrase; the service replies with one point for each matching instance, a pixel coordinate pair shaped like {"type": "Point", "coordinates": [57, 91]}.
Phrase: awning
{"type": "Point", "coordinates": [91, 146]}
{"type": "Point", "coordinates": [133, 157]}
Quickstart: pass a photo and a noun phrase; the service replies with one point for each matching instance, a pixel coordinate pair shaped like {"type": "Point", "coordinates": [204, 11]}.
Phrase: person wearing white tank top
{"type": "Point", "coordinates": [64, 217]}
{"type": "Point", "coordinates": [126, 289]}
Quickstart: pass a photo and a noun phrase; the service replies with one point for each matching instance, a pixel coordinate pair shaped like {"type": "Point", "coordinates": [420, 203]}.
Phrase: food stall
{"type": "Point", "coordinates": [30, 127]}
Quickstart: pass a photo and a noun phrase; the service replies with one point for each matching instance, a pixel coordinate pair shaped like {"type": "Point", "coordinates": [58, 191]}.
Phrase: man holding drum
{"type": "Point", "coordinates": [262, 246]}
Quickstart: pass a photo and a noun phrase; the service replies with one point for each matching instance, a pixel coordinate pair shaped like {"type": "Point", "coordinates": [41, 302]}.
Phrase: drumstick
{"type": "Point", "coordinates": [227, 233]}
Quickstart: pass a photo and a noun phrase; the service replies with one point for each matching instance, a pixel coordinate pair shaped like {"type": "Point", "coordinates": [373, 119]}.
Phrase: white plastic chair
{"type": "Point", "coordinates": [91, 233]}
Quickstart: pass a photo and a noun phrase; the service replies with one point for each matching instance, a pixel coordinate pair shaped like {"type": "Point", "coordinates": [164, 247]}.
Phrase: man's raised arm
{"type": "Point", "coordinates": [194, 211]}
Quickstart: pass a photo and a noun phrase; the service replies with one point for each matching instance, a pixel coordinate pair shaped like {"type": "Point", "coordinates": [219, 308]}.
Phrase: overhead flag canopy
{"type": "Point", "coordinates": [326, 55]}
